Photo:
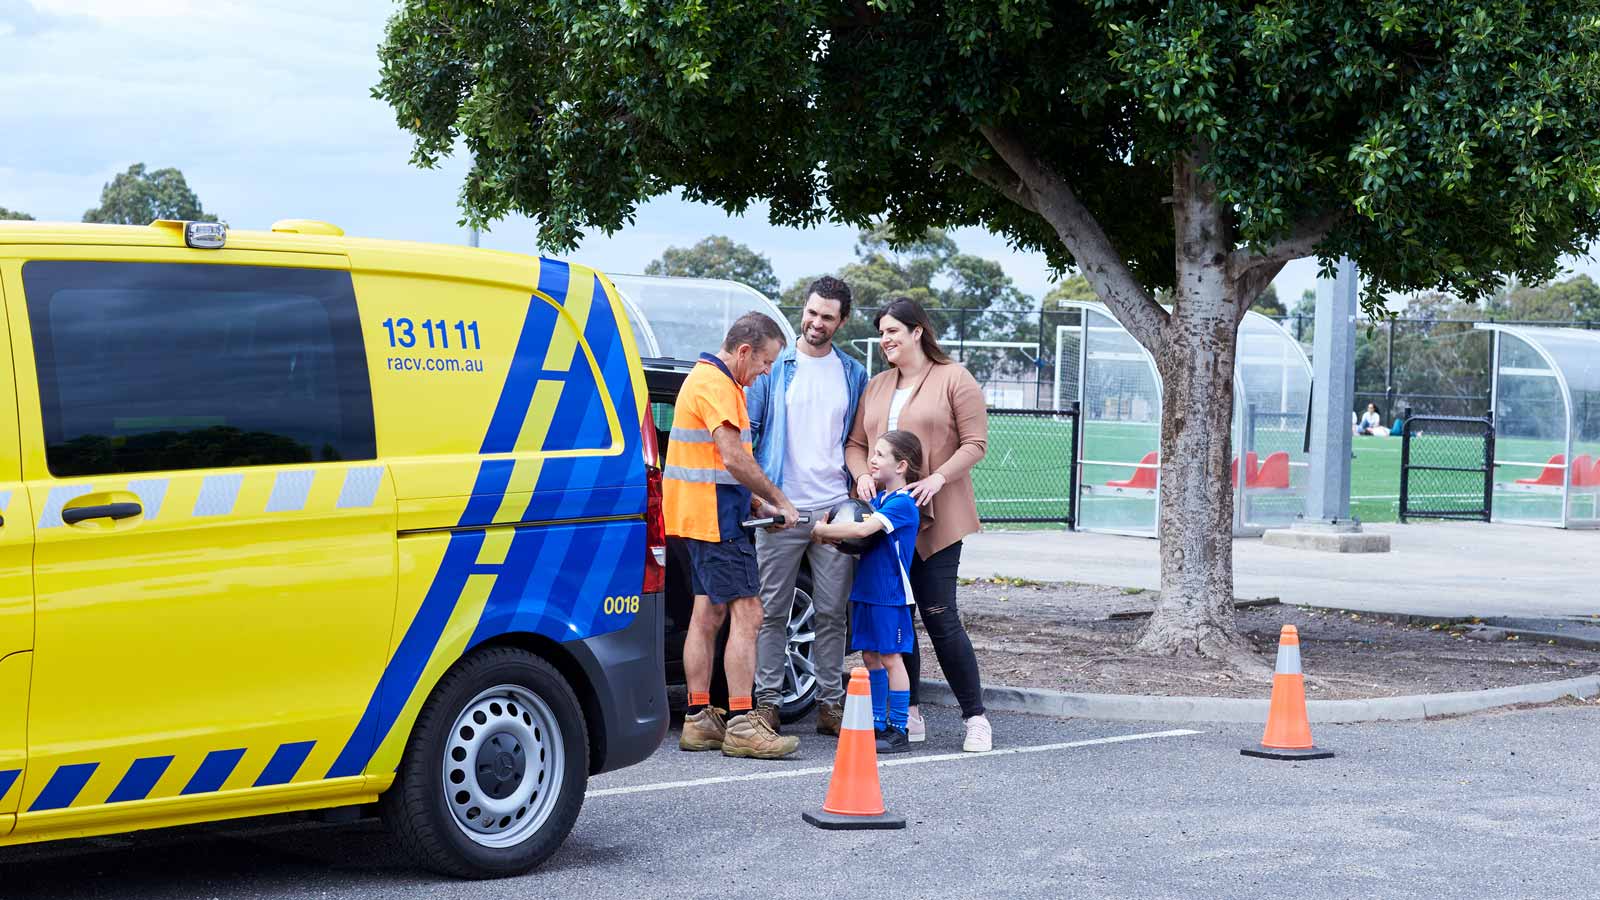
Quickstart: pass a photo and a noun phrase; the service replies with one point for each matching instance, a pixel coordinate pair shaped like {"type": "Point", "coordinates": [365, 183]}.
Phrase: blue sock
{"type": "Point", "coordinates": [880, 696]}
{"type": "Point", "coordinates": [899, 708]}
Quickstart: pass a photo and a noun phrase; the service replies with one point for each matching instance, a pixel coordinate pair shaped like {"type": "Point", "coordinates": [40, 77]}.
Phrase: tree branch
{"type": "Point", "coordinates": [1050, 196]}
{"type": "Point", "coordinates": [1005, 182]}
{"type": "Point", "coordinates": [1302, 240]}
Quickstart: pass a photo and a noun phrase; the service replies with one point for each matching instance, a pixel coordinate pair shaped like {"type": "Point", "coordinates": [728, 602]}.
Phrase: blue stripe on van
{"type": "Point", "coordinates": [63, 788]}
{"type": "Point", "coordinates": [528, 360]}
{"type": "Point", "coordinates": [7, 779]}
{"type": "Point", "coordinates": [140, 779]}
{"type": "Point", "coordinates": [494, 476]}
{"type": "Point", "coordinates": [400, 676]}
{"type": "Point", "coordinates": [285, 763]}
{"type": "Point", "coordinates": [213, 771]}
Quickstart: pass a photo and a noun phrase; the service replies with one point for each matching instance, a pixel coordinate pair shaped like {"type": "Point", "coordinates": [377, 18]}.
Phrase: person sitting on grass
{"type": "Point", "coordinates": [880, 599]}
{"type": "Point", "coordinates": [1372, 423]}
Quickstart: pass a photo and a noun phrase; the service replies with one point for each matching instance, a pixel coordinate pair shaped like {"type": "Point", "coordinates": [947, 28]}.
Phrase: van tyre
{"type": "Point", "coordinates": [494, 775]}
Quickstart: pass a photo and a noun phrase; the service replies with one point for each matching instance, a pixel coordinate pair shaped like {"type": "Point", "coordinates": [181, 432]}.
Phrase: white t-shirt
{"type": "Point", "coordinates": [813, 446]}
{"type": "Point", "coordinates": [897, 403]}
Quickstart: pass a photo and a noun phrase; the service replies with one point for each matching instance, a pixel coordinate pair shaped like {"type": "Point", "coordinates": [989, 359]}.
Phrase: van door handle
{"type": "Point", "coordinates": [105, 511]}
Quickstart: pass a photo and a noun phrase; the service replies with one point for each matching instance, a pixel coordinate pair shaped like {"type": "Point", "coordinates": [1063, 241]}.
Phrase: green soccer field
{"type": "Point", "coordinates": [1026, 470]}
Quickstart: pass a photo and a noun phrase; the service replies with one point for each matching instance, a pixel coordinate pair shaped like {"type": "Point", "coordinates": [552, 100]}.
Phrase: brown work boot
{"type": "Point", "coordinates": [703, 731]}
{"type": "Point", "coordinates": [829, 719]}
{"type": "Point", "coordinates": [750, 736]}
{"type": "Point", "coordinates": [769, 714]}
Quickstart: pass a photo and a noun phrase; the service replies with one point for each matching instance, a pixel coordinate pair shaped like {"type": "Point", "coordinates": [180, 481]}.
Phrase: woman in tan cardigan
{"type": "Point", "coordinates": [927, 394]}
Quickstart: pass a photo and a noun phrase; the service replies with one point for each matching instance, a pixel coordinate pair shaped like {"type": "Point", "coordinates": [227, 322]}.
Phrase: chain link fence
{"type": "Point", "coordinates": [1029, 472]}
{"type": "Point", "coordinates": [1433, 366]}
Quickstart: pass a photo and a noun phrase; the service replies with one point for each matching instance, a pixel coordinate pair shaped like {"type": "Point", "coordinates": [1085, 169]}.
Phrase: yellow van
{"type": "Point", "coordinates": [292, 521]}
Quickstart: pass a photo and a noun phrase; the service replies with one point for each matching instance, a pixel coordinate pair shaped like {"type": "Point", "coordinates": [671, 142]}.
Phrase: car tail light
{"type": "Point", "coordinates": [655, 525]}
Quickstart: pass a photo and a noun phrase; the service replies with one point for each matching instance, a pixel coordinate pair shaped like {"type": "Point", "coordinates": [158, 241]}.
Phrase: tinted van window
{"type": "Point", "coordinates": [152, 366]}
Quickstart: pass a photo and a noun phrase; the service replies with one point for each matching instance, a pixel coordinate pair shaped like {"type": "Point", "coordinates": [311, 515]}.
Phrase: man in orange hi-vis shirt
{"type": "Point", "coordinates": [707, 485]}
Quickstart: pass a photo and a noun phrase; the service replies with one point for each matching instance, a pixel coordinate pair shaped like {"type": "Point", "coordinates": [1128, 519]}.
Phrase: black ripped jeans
{"type": "Point", "coordinates": [933, 583]}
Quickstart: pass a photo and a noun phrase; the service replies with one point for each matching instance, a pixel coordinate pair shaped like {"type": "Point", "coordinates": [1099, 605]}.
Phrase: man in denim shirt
{"type": "Point", "coordinates": [800, 415]}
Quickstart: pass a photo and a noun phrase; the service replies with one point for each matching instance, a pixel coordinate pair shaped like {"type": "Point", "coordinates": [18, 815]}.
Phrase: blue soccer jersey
{"type": "Point", "coordinates": [882, 577]}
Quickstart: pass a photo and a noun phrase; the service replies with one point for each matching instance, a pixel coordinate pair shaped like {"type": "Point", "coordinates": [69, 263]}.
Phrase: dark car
{"type": "Point", "coordinates": [665, 377]}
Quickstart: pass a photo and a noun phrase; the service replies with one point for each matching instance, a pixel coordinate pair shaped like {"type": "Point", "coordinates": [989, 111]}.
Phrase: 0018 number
{"type": "Point", "coordinates": [403, 333]}
{"type": "Point", "coordinates": [617, 605]}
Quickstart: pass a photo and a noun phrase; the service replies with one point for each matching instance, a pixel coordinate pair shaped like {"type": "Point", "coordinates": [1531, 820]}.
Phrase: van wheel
{"type": "Point", "coordinates": [495, 772]}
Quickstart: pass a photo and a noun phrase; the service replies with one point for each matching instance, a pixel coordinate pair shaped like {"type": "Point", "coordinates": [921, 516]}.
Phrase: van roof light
{"type": "Point", "coordinates": [205, 235]}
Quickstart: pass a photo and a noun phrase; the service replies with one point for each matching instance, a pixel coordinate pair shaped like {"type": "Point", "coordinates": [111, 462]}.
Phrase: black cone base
{"type": "Point", "coordinates": [835, 822]}
{"type": "Point", "coordinates": [1275, 753]}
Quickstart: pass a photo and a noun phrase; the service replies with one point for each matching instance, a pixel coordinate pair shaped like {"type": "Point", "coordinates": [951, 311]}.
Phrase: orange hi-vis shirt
{"type": "Point", "coordinates": [701, 499]}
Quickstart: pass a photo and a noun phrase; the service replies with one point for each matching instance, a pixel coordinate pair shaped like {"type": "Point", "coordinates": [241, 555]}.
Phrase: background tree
{"type": "Point", "coordinates": [14, 215]}
{"type": "Point", "coordinates": [1574, 299]}
{"type": "Point", "coordinates": [1076, 287]}
{"type": "Point", "coordinates": [138, 197]}
{"type": "Point", "coordinates": [1268, 303]}
{"type": "Point", "coordinates": [1194, 147]}
{"type": "Point", "coordinates": [718, 257]}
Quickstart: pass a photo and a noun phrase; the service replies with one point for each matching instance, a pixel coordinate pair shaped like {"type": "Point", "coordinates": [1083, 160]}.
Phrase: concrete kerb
{"type": "Point", "coordinates": [1137, 707]}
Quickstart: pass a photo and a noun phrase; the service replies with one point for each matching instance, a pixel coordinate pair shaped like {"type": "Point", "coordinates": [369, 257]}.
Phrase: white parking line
{"type": "Point", "coordinates": [885, 763]}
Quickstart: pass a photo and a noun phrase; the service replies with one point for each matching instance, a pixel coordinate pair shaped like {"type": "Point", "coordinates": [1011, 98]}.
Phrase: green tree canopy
{"type": "Point", "coordinates": [1574, 299]}
{"type": "Point", "coordinates": [1188, 146]}
{"type": "Point", "coordinates": [139, 197]}
{"type": "Point", "coordinates": [1076, 287]}
{"type": "Point", "coordinates": [718, 257]}
{"type": "Point", "coordinates": [14, 215]}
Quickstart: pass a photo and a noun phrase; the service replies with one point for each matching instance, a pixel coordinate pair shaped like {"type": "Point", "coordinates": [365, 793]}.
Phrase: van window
{"type": "Point", "coordinates": [159, 366]}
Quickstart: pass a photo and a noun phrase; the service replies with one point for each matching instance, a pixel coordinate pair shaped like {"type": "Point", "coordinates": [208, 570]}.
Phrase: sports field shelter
{"type": "Point", "coordinates": [1545, 400]}
{"type": "Point", "coordinates": [1114, 381]}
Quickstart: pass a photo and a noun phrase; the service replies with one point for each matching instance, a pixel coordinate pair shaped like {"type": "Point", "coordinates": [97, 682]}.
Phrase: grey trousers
{"type": "Point", "coordinates": [779, 554]}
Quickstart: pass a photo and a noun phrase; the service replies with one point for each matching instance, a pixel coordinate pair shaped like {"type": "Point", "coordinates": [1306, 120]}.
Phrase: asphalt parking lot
{"type": "Point", "coordinates": [1495, 805]}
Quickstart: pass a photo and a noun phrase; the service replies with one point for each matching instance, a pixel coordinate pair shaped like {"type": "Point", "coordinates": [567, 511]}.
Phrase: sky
{"type": "Point", "coordinates": [266, 107]}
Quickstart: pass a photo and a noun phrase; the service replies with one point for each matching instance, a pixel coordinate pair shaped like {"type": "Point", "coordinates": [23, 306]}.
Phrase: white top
{"type": "Point", "coordinates": [813, 445]}
{"type": "Point", "coordinates": [1371, 420]}
{"type": "Point", "coordinates": [897, 403]}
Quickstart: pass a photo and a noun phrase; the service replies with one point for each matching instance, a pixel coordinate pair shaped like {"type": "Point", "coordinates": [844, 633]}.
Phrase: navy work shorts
{"type": "Point", "coordinates": [723, 570]}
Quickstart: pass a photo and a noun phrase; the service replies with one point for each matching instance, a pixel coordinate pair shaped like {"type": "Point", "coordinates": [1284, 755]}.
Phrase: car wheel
{"type": "Point", "coordinates": [799, 667]}
{"type": "Point", "coordinates": [495, 771]}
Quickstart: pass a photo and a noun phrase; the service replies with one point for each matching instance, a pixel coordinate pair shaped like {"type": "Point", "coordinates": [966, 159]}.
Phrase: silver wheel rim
{"type": "Point", "coordinates": [503, 767]}
{"type": "Point", "coordinates": [799, 671]}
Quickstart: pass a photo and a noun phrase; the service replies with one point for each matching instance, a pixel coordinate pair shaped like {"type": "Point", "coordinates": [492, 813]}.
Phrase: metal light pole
{"type": "Point", "coordinates": [1327, 525]}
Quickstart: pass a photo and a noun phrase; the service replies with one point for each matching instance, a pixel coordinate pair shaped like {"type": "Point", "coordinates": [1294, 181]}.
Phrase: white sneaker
{"type": "Point", "coordinates": [916, 728]}
{"type": "Point", "coordinates": [980, 736]}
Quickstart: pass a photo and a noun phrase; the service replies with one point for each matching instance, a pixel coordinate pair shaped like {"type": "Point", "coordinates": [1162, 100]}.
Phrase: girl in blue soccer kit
{"type": "Point", "coordinates": [880, 599]}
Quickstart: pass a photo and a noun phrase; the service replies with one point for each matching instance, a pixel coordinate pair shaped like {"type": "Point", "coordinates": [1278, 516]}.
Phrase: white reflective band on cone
{"type": "Point", "coordinates": [1288, 659]}
{"type": "Point", "coordinates": [857, 713]}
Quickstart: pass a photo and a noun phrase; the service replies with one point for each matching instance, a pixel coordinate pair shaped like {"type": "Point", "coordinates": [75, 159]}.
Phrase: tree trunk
{"type": "Point", "coordinates": [1194, 615]}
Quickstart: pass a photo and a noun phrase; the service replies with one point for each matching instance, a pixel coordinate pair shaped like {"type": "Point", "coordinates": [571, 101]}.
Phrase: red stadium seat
{"type": "Point", "coordinates": [1583, 471]}
{"type": "Point", "coordinates": [1273, 474]}
{"type": "Point", "coordinates": [1552, 472]}
{"type": "Point", "coordinates": [1143, 478]}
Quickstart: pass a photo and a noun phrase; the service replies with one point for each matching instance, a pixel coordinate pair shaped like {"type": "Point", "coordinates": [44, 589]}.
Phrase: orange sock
{"type": "Point", "coordinates": [738, 704]}
{"type": "Point", "coordinates": [699, 698]}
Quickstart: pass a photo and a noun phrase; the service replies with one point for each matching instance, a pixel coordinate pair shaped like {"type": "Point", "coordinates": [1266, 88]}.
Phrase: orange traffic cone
{"type": "Point", "coordinates": [1288, 734]}
{"type": "Point", "coordinates": [854, 798]}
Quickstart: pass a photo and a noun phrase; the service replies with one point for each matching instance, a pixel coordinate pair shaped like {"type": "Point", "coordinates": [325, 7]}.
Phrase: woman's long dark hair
{"type": "Point", "coordinates": [906, 448]}
{"type": "Point", "coordinates": [911, 314]}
